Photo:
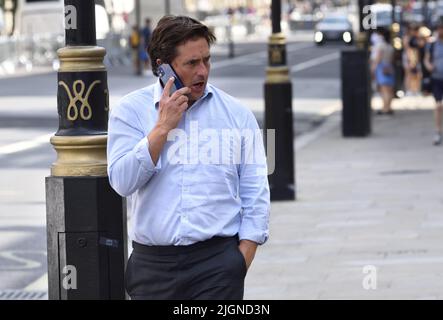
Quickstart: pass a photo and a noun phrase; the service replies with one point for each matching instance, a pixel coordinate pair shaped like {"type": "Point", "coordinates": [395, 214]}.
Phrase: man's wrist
{"type": "Point", "coordinates": [156, 139]}
{"type": "Point", "coordinates": [161, 130]}
{"type": "Point", "coordinates": [249, 245]}
{"type": "Point", "coordinates": [248, 249]}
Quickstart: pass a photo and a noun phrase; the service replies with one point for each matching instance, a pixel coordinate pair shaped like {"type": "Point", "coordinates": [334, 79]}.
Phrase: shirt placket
{"type": "Point", "coordinates": [185, 185]}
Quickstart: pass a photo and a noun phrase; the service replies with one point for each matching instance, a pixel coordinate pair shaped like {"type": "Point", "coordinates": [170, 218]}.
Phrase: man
{"type": "Point", "coordinates": [434, 63]}
{"type": "Point", "coordinates": [196, 224]}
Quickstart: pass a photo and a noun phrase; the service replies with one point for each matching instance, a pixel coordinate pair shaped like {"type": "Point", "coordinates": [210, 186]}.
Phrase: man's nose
{"type": "Point", "coordinates": [202, 69]}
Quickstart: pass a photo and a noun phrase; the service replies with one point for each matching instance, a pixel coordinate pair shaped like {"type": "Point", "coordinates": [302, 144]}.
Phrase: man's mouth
{"type": "Point", "coordinates": [198, 86]}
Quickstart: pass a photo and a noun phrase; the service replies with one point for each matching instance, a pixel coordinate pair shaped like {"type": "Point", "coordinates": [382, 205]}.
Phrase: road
{"type": "Point", "coordinates": [28, 117]}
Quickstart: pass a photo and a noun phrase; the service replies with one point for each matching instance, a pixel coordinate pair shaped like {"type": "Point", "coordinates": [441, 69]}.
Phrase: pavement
{"type": "Point", "coordinates": [368, 219]}
{"type": "Point", "coordinates": [363, 204]}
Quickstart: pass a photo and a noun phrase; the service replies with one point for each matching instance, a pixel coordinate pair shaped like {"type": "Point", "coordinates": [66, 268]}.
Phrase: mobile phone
{"type": "Point", "coordinates": [165, 72]}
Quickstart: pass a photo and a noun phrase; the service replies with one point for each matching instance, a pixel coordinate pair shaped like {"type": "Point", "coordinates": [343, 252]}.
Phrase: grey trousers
{"type": "Point", "coordinates": [214, 269]}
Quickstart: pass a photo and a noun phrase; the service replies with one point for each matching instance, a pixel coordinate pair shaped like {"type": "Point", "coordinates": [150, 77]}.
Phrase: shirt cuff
{"type": "Point", "coordinates": [260, 237]}
{"type": "Point", "coordinates": [144, 157]}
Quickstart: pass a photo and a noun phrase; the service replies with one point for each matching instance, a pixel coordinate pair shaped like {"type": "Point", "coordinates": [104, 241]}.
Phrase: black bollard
{"type": "Point", "coordinates": [86, 218]}
{"type": "Point", "coordinates": [355, 93]}
{"type": "Point", "coordinates": [278, 112]}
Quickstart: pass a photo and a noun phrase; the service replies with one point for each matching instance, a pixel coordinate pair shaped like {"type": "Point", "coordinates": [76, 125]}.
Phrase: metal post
{"type": "Point", "coordinates": [397, 44]}
{"type": "Point", "coordinates": [86, 219]}
{"type": "Point", "coordinates": [231, 53]}
{"type": "Point", "coordinates": [393, 4]}
{"type": "Point", "coordinates": [356, 84]}
{"type": "Point", "coordinates": [362, 37]}
{"type": "Point", "coordinates": [425, 13]}
{"type": "Point", "coordinates": [10, 10]}
{"type": "Point", "coordinates": [138, 24]}
{"type": "Point", "coordinates": [278, 111]}
{"type": "Point", "coordinates": [167, 7]}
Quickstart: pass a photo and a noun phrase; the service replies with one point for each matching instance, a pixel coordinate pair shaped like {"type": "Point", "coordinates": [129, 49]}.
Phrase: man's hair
{"type": "Point", "coordinates": [172, 31]}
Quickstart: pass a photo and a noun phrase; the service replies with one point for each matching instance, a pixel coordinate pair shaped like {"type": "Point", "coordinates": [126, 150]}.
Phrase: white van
{"type": "Point", "coordinates": [37, 17]}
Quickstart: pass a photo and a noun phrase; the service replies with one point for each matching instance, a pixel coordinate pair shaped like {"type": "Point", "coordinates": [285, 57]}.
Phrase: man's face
{"type": "Point", "coordinates": [192, 66]}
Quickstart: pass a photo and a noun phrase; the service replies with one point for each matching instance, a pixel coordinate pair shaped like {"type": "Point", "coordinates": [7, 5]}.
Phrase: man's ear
{"type": "Point", "coordinates": [158, 61]}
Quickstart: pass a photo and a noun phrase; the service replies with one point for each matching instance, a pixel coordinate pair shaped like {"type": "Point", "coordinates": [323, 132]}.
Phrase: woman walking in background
{"type": "Point", "coordinates": [382, 68]}
{"type": "Point", "coordinates": [411, 61]}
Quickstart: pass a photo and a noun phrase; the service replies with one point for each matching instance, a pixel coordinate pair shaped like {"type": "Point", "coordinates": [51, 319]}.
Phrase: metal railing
{"type": "Point", "coordinates": [28, 52]}
{"type": "Point", "coordinates": [117, 49]}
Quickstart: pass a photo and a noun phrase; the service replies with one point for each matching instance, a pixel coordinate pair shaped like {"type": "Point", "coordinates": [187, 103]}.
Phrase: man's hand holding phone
{"type": "Point", "coordinates": [171, 109]}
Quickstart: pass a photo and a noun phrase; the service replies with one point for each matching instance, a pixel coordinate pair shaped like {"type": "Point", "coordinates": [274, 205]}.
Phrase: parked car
{"type": "Point", "coordinates": [335, 27]}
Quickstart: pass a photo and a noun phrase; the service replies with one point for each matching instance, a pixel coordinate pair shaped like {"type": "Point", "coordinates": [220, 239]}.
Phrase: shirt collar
{"type": "Point", "coordinates": [158, 91]}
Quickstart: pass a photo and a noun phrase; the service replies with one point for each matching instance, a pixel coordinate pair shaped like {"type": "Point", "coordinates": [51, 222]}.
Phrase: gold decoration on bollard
{"type": "Point", "coordinates": [277, 73]}
{"type": "Point", "coordinates": [277, 39]}
{"type": "Point", "coordinates": [106, 100]}
{"type": "Point", "coordinates": [276, 56]}
{"type": "Point", "coordinates": [78, 59]}
{"type": "Point", "coordinates": [80, 156]}
{"type": "Point", "coordinates": [362, 39]}
{"type": "Point", "coordinates": [78, 97]}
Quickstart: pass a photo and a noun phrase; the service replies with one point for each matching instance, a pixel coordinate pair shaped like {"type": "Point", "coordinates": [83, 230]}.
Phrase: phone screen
{"type": "Point", "coordinates": [165, 72]}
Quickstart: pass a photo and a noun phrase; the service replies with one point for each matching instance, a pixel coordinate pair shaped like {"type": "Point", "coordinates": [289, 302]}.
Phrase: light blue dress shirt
{"type": "Point", "coordinates": [187, 197]}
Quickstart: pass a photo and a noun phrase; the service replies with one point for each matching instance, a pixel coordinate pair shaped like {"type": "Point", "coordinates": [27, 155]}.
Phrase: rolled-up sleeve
{"type": "Point", "coordinates": [254, 187]}
{"type": "Point", "coordinates": [130, 165]}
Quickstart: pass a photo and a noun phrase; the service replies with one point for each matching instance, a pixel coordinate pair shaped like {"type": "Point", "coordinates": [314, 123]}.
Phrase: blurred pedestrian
{"type": "Point", "coordinates": [135, 43]}
{"type": "Point", "coordinates": [229, 32]}
{"type": "Point", "coordinates": [375, 39]}
{"type": "Point", "coordinates": [382, 68]}
{"type": "Point", "coordinates": [146, 37]}
{"type": "Point", "coordinates": [423, 41]}
{"type": "Point", "coordinates": [434, 63]}
{"type": "Point", "coordinates": [411, 61]}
